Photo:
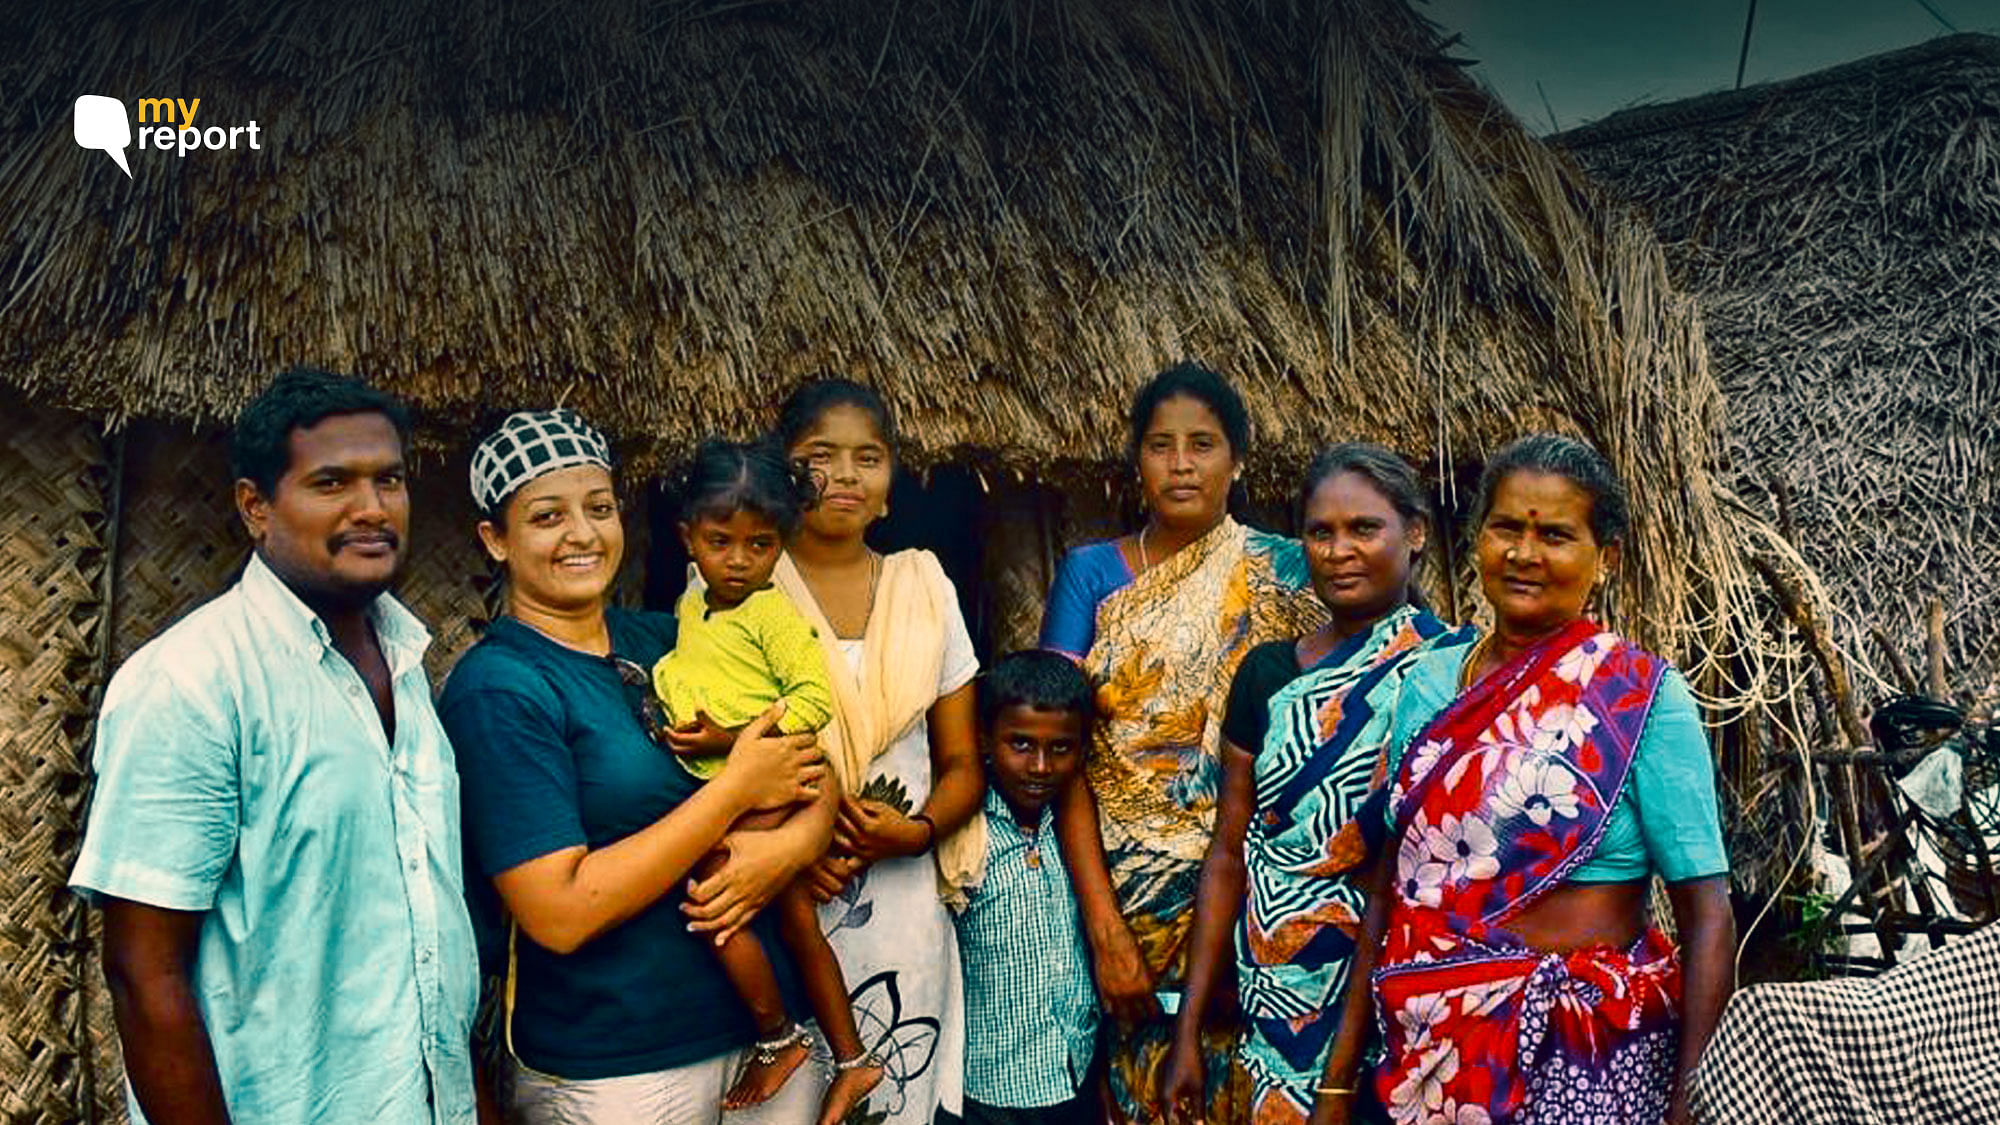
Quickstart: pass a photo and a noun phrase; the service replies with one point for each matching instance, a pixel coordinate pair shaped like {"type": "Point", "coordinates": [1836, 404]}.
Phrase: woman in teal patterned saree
{"type": "Point", "coordinates": [1301, 755]}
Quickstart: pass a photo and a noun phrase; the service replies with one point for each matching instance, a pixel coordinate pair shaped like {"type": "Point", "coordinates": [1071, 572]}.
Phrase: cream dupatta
{"type": "Point", "coordinates": [902, 653]}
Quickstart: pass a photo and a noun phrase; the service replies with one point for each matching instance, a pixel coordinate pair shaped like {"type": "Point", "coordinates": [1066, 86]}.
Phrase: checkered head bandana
{"type": "Point", "coordinates": [528, 445]}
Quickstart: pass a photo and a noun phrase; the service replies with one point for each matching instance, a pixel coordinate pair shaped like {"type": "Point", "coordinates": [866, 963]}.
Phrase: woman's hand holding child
{"type": "Point", "coordinates": [772, 771]}
{"type": "Point", "coordinates": [871, 831]}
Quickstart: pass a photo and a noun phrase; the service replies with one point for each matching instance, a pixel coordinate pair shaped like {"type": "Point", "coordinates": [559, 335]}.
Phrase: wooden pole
{"type": "Point", "coordinates": [1743, 57]}
{"type": "Point", "coordinates": [1940, 689]}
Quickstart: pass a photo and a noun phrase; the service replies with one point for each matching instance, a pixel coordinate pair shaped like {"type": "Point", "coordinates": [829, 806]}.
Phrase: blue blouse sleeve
{"type": "Point", "coordinates": [1086, 575]}
{"type": "Point", "coordinates": [1673, 788]}
{"type": "Point", "coordinates": [1426, 684]}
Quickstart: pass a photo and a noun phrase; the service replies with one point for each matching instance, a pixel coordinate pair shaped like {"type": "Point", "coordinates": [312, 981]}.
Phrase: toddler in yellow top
{"type": "Point", "coordinates": [741, 647]}
{"type": "Point", "coordinates": [732, 659]}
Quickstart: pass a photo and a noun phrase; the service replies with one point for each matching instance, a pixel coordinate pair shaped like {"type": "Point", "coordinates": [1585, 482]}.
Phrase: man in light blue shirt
{"type": "Point", "coordinates": [274, 834]}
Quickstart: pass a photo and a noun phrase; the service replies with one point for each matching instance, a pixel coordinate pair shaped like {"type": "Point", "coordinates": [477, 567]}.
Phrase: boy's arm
{"type": "Point", "coordinates": [798, 664]}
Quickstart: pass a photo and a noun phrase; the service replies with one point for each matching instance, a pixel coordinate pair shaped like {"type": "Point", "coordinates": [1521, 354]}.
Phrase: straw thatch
{"type": "Point", "coordinates": [1842, 232]}
{"type": "Point", "coordinates": [1003, 214]}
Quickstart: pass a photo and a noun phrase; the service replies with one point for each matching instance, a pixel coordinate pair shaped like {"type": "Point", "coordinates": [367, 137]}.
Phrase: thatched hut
{"type": "Point", "coordinates": [1003, 215]}
{"type": "Point", "coordinates": [1842, 233]}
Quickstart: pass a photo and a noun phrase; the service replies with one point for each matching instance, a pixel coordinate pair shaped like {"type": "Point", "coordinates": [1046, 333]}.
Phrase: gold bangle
{"type": "Point", "coordinates": [1346, 1090]}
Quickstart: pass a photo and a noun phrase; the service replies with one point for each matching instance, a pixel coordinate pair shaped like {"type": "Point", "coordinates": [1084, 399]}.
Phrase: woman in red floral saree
{"type": "Point", "coordinates": [1539, 777]}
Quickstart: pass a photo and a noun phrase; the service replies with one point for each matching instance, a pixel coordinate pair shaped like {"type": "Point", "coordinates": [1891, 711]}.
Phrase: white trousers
{"type": "Point", "coordinates": [686, 1095]}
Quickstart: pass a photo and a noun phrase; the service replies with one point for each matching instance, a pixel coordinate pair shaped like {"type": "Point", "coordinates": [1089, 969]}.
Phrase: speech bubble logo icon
{"type": "Point", "coordinates": [101, 122]}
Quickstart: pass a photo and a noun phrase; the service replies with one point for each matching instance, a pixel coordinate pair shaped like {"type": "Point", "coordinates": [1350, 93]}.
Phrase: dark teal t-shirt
{"type": "Point", "coordinates": [551, 755]}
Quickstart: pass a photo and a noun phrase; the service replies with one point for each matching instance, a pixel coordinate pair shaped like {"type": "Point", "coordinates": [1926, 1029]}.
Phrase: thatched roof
{"type": "Point", "coordinates": [1842, 232]}
{"type": "Point", "coordinates": [1005, 215]}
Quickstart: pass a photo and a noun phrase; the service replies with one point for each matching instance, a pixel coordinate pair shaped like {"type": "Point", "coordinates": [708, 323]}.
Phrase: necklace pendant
{"type": "Point", "coordinates": [1035, 857]}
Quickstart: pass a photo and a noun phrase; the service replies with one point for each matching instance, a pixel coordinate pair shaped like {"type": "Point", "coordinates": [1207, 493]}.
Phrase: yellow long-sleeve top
{"type": "Point", "coordinates": [734, 663]}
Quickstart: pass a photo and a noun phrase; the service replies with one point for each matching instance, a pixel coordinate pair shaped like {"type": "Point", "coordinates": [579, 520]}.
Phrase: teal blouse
{"type": "Point", "coordinates": [1665, 819]}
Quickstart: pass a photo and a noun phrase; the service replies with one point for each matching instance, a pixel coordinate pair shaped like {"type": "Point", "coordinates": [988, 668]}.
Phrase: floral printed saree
{"type": "Point", "coordinates": [1167, 645]}
{"type": "Point", "coordinates": [1498, 801]}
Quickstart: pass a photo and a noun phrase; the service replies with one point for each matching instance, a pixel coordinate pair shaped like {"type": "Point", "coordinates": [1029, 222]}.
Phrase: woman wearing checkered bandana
{"type": "Point", "coordinates": [586, 830]}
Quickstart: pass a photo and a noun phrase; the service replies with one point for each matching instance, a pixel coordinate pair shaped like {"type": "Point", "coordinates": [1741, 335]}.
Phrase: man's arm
{"type": "Point", "coordinates": [149, 955]}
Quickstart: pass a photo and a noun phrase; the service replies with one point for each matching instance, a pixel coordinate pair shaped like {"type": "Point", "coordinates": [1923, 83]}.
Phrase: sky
{"type": "Point", "coordinates": [1594, 57]}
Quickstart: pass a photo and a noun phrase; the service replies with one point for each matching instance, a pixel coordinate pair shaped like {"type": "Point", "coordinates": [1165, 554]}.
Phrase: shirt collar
{"type": "Point", "coordinates": [404, 638]}
{"type": "Point", "coordinates": [998, 808]}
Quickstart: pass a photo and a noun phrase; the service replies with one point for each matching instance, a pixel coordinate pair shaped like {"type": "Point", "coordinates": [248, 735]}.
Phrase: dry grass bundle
{"type": "Point", "coordinates": [1004, 215]}
{"type": "Point", "coordinates": [1842, 232]}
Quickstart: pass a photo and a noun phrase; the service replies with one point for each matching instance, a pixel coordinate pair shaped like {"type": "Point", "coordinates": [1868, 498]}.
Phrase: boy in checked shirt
{"type": "Point", "coordinates": [1030, 1005]}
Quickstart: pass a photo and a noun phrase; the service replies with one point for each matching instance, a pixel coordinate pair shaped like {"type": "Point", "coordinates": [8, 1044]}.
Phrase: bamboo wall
{"type": "Point", "coordinates": [54, 477]}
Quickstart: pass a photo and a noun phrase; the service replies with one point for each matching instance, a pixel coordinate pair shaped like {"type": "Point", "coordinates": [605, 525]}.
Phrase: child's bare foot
{"type": "Point", "coordinates": [852, 1080]}
{"type": "Point", "coordinates": [766, 1066]}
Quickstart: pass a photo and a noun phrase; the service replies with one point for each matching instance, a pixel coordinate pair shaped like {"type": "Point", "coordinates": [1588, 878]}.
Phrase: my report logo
{"type": "Point", "coordinates": [164, 125]}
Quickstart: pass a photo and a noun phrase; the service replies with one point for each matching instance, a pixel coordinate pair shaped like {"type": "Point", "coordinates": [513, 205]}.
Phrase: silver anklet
{"type": "Point", "coordinates": [764, 1052]}
{"type": "Point", "coordinates": [858, 1062]}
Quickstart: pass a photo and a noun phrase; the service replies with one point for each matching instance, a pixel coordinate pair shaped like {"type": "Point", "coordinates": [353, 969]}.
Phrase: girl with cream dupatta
{"type": "Point", "coordinates": [909, 837]}
{"type": "Point", "coordinates": [1160, 620]}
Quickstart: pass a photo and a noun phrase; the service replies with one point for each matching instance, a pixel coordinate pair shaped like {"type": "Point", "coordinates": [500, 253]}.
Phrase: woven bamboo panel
{"type": "Point", "coordinates": [1026, 528]}
{"type": "Point", "coordinates": [181, 542]}
{"type": "Point", "coordinates": [448, 581]}
{"type": "Point", "coordinates": [51, 562]}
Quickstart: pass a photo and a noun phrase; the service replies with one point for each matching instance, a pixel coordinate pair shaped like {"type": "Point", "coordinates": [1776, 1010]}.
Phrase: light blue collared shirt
{"type": "Point", "coordinates": [242, 771]}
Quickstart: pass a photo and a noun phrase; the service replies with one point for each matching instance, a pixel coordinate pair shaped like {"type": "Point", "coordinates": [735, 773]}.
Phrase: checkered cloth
{"type": "Point", "coordinates": [526, 446]}
{"type": "Point", "coordinates": [1915, 1046]}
